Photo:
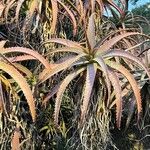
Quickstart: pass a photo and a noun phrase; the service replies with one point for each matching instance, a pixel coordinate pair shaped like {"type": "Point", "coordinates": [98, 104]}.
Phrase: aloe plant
{"type": "Point", "coordinates": [9, 65]}
{"type": "Point", "coordinates": [92, 58]}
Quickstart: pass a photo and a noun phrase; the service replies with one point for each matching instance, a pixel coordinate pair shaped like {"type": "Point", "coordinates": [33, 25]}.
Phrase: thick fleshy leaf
{"type": "Point", "coordinates": [93, 5]}
{"type": "Point", "coordinates": [91, 32]}
{"type": "Point", "coordinates": [51, 93]}
{"type": "Point", "coordinates": [66, 49]}
{"type": "Point", "coordinates": [29, 52]}
{"type": "Point", "coordinates": [74, 22]}
{"type": "Point", "coordinates": [101, 6]}
{"type": "Point", "coordinates": [23, 69]}
{"type": "Point", "coordinates": [19, 4]}
{"type": "Point", "coordinates": [15, 143]}
{"type": "Point", "coordinates": [8, 8]}
{"type": "Point", "coordinates": [2, 43]}
{"type": "Point", "coordinates": [2, 7]}
{"type": "Point", "coordinates": [46, 74]}
{"type": "Point", "coordinates": [117, 89]}
{"type": "Point", "coordinates": [104, 68]}
{"type": "Point", "coordinates": [111, 42]}
{"type": "Point", "coordinates": [90, 78]}
{"type": "Point", "coordinates": [33, 7]}
{"type": "Point", "coordinates": [127, 55]}
{"type": "Point", "coordinates": [132, 82]}
{"type": "Point", "coordinates": [23, 85]}
{"type": "Point", "coordinates": [64, 42]}
{"type": "Point", "coordinates": [54, 15]}
{"type": "Point", "coordinates": [61, 90]}
{"type": "Point", "coordinates": [21, 58]}
{"type": "Point", "coordinates": [110, 2]}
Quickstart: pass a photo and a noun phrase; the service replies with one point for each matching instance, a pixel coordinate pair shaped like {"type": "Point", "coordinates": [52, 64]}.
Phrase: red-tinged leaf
{"type": "Point", "coordinates": [2, 7]}
{"type": "Point", "coordinates": [115, 6]}
{"type": "Point", "coordinates": [61, 91]}
{"type": "Point", "coordinates": [23, 85]}
{"type": "Point", "coordinates": [46, 74]}
{"type": "Point", "coordinates": [91, 32]}
{"type": "Point", "coordinates": [104, 68]}
{"type": "Point", "coordinates": [19, 4]}
{"type": "Point", "coordinates": [107, 37]}
{"type": "Point", "coordinates": [54, 15]}
{"type": "Point", "coordinates": [64, 42]}
{"type": "Point", "coordinates": [101, 6]}
{"type": "Point", "coordinates": [2, 43]}
{"type": "Point", "coordinates": [33, 7]}
{"type": "Point", "coordinates": [15, 143]}
{"type": "Point", "coordinates": [23, 69]}
{"type": "Point", "coordinates": [29, 52]}
{"type": "Point", "coordinates": [51, 94]}
{"type": "Point", "coordinates": [7, 8]}
{"type": "Point", "coordinates": [1, 98]}
{"type": "Point", "coordinates": [21, 58]}
{"type": "Point", "coordinates": [132, 82]}
{"type": "Point", "coordinates": [93, 5]}
{"type": "Point", "coordinates": [66, 49]}
{"type": "Point", "coordinates": [117, 89]}
{"type": "Point", "coordinates": [74, 22]}
{"type": "Point", "coordinates": [111, 42]}
{"type": "Point", "coordinates": [127, 55]}
{"type": "Point", "coordinates": [131, 111]}
{"type": "Point", "coordinates": [90, 78]}
{"type": "Point", "coordinates": [81, 11]}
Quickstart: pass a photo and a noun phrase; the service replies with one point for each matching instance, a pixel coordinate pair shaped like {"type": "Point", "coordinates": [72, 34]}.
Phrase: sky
{"type": "Point", "coordinates": [139, 3]}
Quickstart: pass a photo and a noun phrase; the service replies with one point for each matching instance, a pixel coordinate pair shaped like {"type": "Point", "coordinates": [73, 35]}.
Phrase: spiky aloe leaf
{"type": "Point", "coordinates": [23, 85]}
{"type": "Point", "coordinates": [54, 15]}
{"type": "Point", "coordinates": [91, 32]}
{"type": "Point", "coordinates": [61, 90]}
{"type": "Point", "coordinates": [19, 4]}
{"type": "Point", "coordinates": [93, 5]}
{"type": "Point", "coordinates": [111, 42]}
{"type": "Point", "coordinates": [20, 58]}
{"type": "Point", "coordinates": [27, 51]}
{"type": "Point", "coordinates": [23, 69]}
{"type": "Point", "coordinates": [2, 43]}
{"type": "Point", "coordinates": [30, 14]}
{"type": "Point", "coordinates": [110, 2]}
{"type": "Point", "coordinates": [8, 8]}
{"type": "Point", "coordinates": [90, 78]}
{"type": "Point", "coordinates": [101, 6]}
{"type": "Point", "coordinates": [52, 92]}
{"type": "Point", "coordinates": [104, 68]}
{"type": "Point", "coordinates": [64, 42]}
{"type": "Point", "coordinates": [74, 22]}
{"type": "Point", "coordinates": [117, 89]}
{"type": "Point", "coordinates": [66, 49]}
{"type": "Point", "coordinates": [127, 55]}
{"type": "Point", "coordinates": [46, 74]}
{"type": "Point", "coordinates": [15, 143]}
{"type": "Point", "coordinates": [2, 7]}
{"type": "Point", "coordinates": [132, 82]}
